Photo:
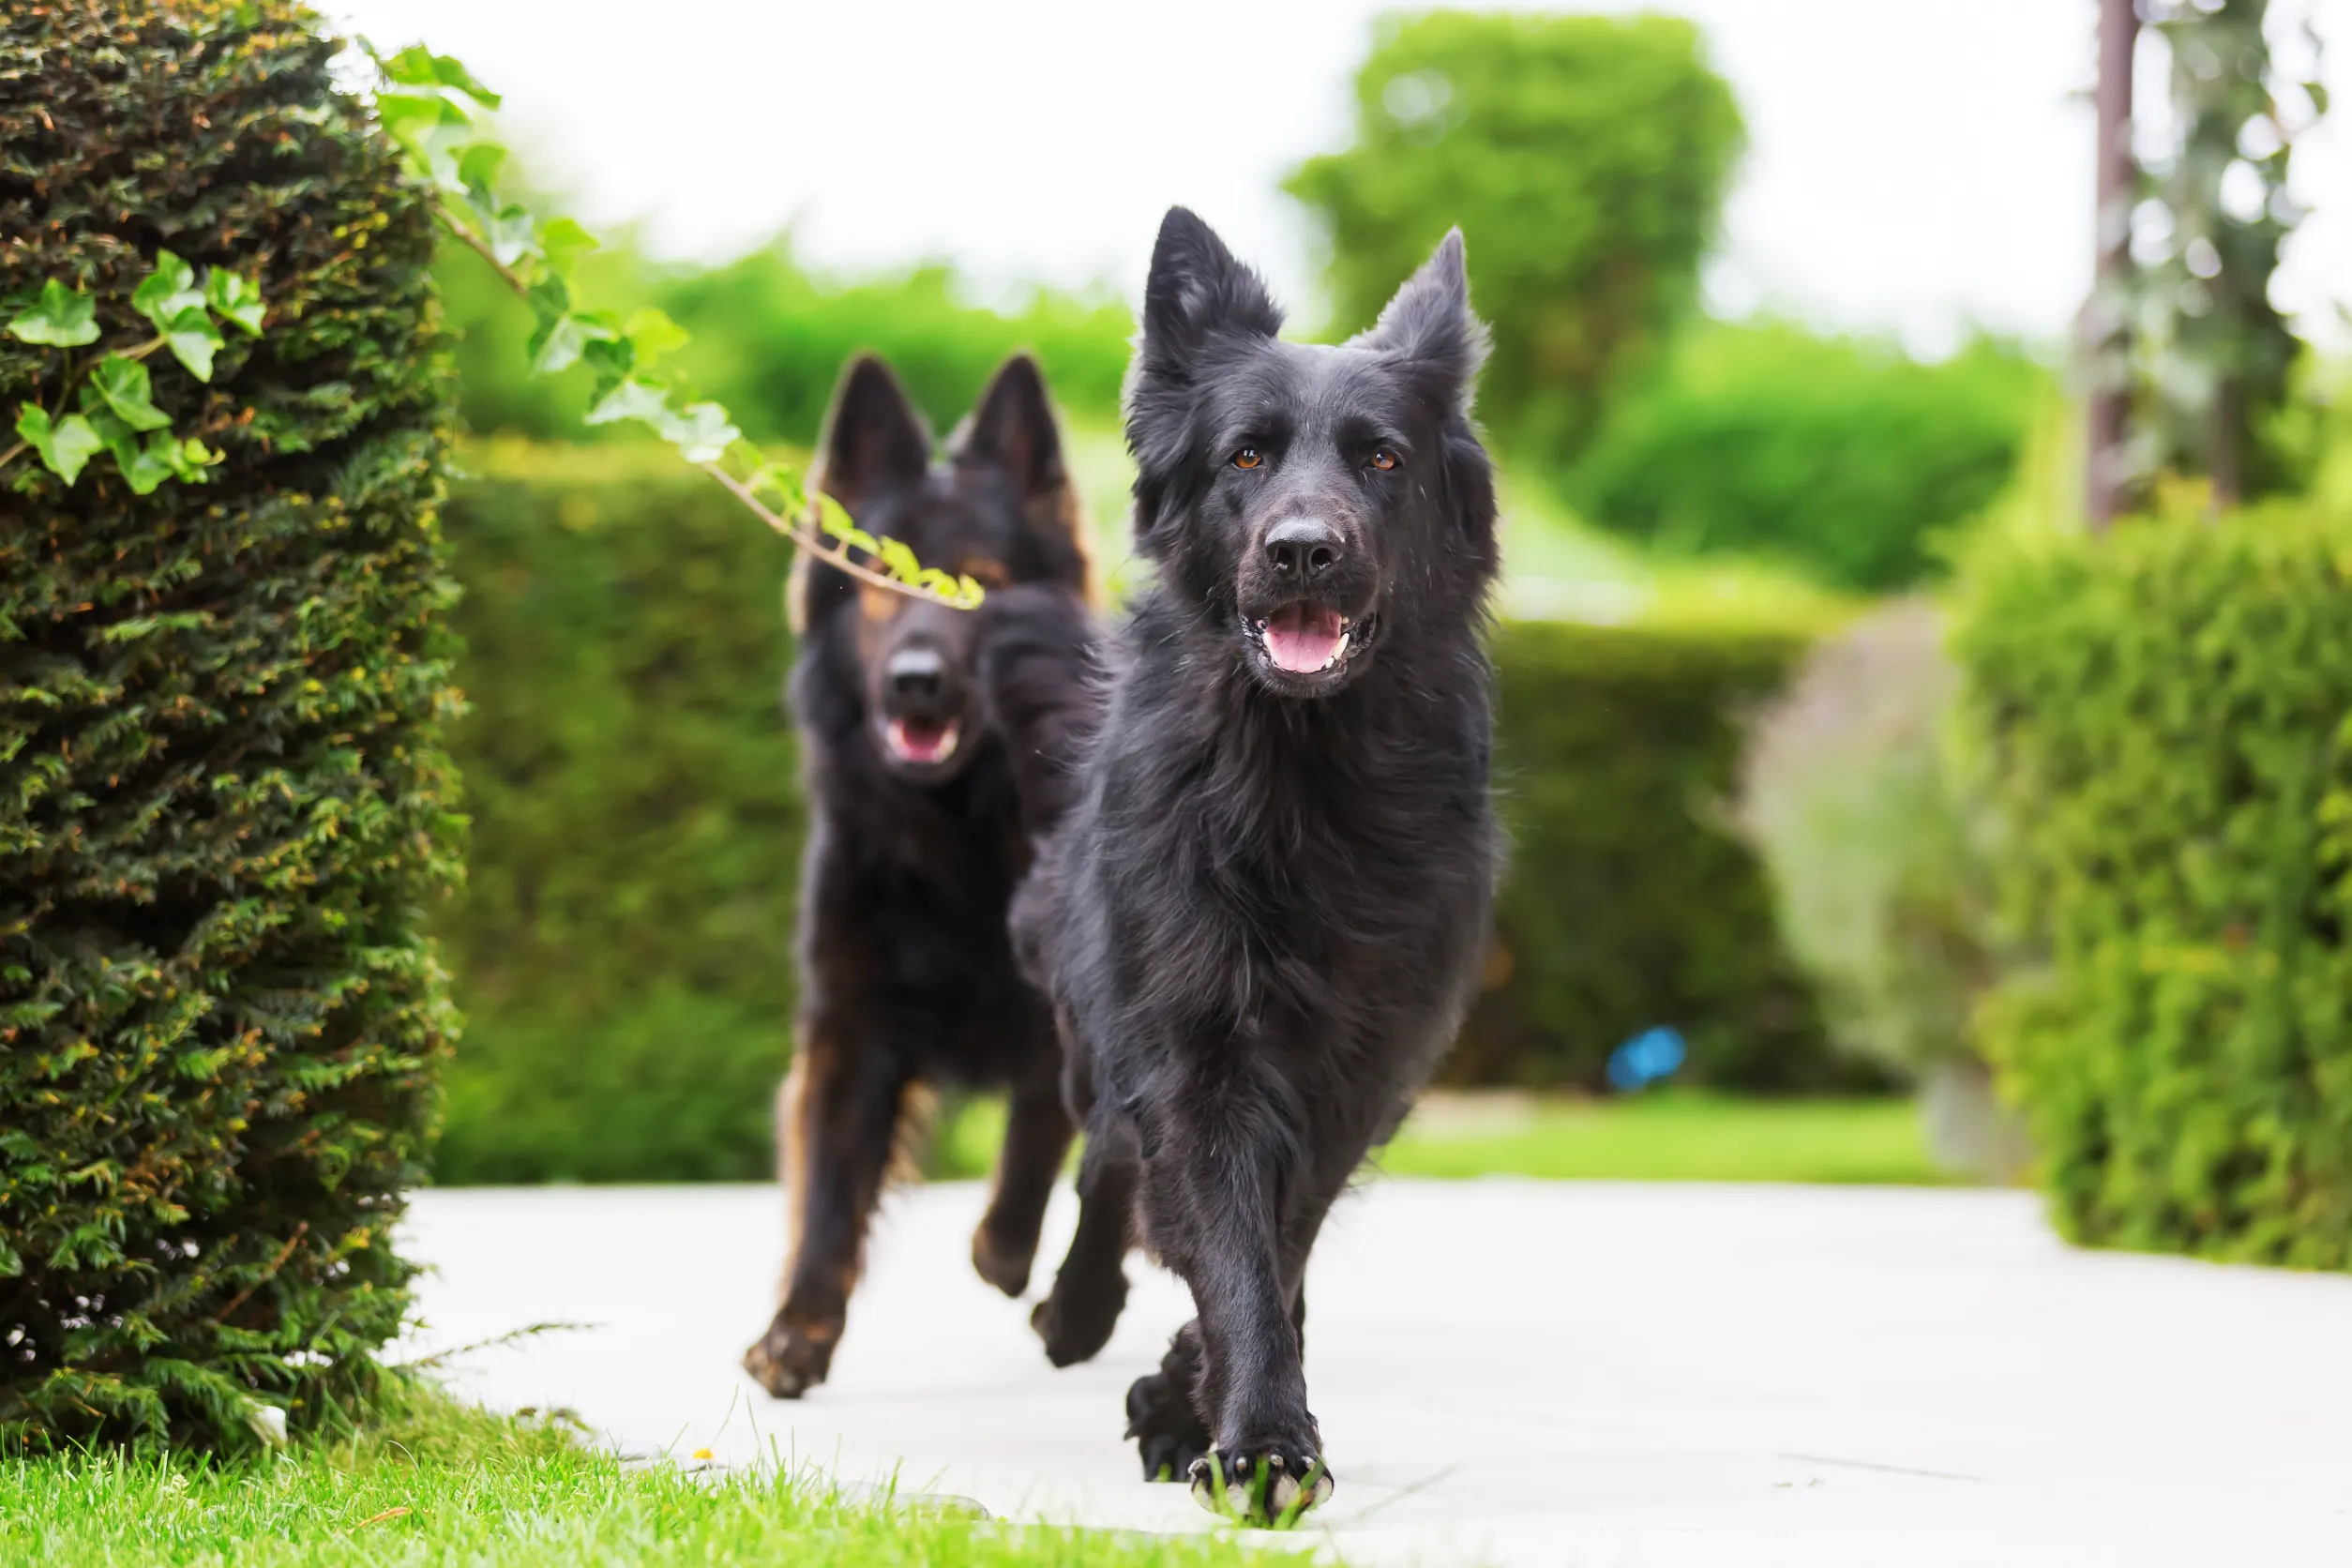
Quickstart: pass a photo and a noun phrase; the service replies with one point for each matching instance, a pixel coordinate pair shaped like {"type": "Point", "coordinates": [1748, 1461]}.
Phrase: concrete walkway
{"type": "Point", "coordinates": [1510, 1372]}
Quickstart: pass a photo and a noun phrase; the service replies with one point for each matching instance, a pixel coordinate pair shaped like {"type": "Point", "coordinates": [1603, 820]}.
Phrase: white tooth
{"type": "Point", "coordinates": [1338, 651]}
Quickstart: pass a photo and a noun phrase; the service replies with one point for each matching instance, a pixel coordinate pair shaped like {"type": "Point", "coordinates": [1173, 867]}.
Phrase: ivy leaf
{"type": "Point", "coordinates": [411, 118]}
{"type": "Point", "coordinates": [142, 467]}
{"type": "Point", "coordinates": [630, 399]}
{"type": "Point", "coordinates": [564, 242]}
{"type": "Point", "coordinates": [123, 385]}
{"type": "Point", "coordinates": [770, 479]}
{"type": "Point", "coordinates": [899, 562]}
{"type": "Point", "coordinates": [510, 232]}
{"type": "Point", "coordinates": [65, 447]}
{"type": "Point", "coordinates": [653, 334]}
{"type": "Point", "coordinates": [556, 345]}
{"type": "Point", "coordinates": [235, 299]}
{"type": "Point", "coordinates": [167, 293]}
{"type": "Point", "coordinates": [833, 517]}
{"type": "Point", "coordinates": [701, 431]}
{"type": "Point", "coordinates": [419, 67]}
{"type": "Point", "coordinates": [61, 318]}
{"type": "Point", "coordinates": [478, 168]}
{"type": "Point", "coordinates": [611, 359]}
{"type": "Point", "coordinates": [162, 456]}
{"type": "Point", "coordinates": [549, 298]}
{"type": "Point", "coordinates": [434, 132]}
{"type": "Point", "coordinates": [193, 341]}
{"type": "Point", "coordinates": [562, 333]}
{"type": "Point", "coordinates": [187, 460]}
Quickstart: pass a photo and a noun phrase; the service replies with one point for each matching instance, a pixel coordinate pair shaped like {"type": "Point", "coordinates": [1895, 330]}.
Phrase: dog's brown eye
{"type": "Point", "coordinates": [1247, 458]}
{"type": "Point", "coordinates": [1384, 460]}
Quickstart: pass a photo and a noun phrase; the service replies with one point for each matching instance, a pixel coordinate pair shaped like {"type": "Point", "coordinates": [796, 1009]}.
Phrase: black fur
{"type": "Point", "coordinates": [907, 978]}
{"type": "Point", "coordinates": [1262, 921]}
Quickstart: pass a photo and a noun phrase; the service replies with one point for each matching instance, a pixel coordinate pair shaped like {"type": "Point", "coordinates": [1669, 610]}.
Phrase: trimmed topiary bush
{"type": "Point", "coordinates": [623, 948]}
{"type": "Point", "coordinates": [1585, 158]}
{"type": "Point", "coordinates": [2161, 718]}
{"type": "Point", "coordinates": [1629, 903]}
{"type": "Point", "coordinates": [223, 800]}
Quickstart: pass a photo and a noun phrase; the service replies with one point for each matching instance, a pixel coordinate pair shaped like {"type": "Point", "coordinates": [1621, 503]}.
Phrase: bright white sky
{"type": "Point", "coordinates": [1914, 164]}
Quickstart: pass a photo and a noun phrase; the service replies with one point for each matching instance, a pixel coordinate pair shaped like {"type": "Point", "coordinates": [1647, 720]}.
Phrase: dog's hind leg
{"type": "Point", "coordinates": [1091, 1288]}
{"type": "Point", "coordinates": [839, 1128]}
{"type": "Point", "coordinates": [1037, 1135]}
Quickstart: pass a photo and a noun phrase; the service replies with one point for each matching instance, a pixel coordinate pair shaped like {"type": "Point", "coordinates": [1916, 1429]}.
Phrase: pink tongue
{"type": "Point", "coordinates": [1303, 637]}
{"type": "Point", "coordinates": [920, 743]}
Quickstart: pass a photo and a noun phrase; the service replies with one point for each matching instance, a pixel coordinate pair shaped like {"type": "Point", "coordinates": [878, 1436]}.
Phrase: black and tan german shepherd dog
{"type": "Point", "coordinates": [1263, 918]}
{"type": "Point", "coordinates": [921, 824]}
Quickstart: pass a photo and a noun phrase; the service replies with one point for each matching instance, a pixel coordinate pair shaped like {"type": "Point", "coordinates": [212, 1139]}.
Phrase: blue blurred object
{"type": "Point", "coordinates": [1642, 1061]}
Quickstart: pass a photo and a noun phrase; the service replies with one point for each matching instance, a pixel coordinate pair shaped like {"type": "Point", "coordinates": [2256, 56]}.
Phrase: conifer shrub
{"type": "Point", "coordinates": [2161, 719]}
{"type": "Point", "coordinates": [224, 804]}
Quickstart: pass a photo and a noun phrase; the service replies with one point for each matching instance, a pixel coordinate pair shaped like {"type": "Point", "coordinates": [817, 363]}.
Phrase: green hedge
{"type": "Point", "coordinates": [1843, 458]}
{"type": "Point", "coordinates": [1630, 903]}
{"type": "Point", "coordinates": [223, 800]}
{"type": "Point", "coordinates": [623, 946]}
{"type": "Point", "coordinates": [2162, 719]}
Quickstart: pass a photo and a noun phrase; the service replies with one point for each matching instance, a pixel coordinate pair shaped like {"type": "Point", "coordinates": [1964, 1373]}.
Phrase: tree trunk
{"type": "Point", "coordinates": [2105, 337]}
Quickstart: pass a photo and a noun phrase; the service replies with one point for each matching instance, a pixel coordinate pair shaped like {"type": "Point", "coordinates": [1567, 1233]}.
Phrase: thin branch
{"type": "Point", "coordinates": [835, 555]}
{"type": "Point", "coordinates": [23, 446]}
{"type": "Point", "coordinates": [457, 226]}
{"type": "Point", "coordinates": [529, 1331]}
{"type": "Point", "coordinates": [275, 1264]}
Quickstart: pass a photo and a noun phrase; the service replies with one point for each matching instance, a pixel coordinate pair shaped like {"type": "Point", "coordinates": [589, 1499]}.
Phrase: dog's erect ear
{"type": "Point", "coordinates": [873, 436]}
{"type": "Point", "coordinates": [1198, 294]}
{"type": "Point", "coordinates": [1429, 323]}
{"type": "Point", "coordinates": [1197, 290]}
{"type": "Point", "coordinates": [1014, 429]}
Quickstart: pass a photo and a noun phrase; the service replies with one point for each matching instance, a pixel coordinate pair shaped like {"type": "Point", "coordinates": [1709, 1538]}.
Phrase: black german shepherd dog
{"type": "Point", "coordinates": [1261, 920]}
{"type": "Point", "coordinates": [921, 821]}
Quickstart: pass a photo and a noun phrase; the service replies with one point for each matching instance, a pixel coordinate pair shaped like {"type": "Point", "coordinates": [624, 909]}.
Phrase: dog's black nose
{"type": "Point", "coordinates": [914, 671]}
{"type": "Point", "coordinates": [1303, 549]}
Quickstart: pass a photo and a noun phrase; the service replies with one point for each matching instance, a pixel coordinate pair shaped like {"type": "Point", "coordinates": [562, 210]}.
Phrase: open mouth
{"type": "Point", "coordinates": [915, 740]}
{"type": "Point", "coordinates": [1306, 639]}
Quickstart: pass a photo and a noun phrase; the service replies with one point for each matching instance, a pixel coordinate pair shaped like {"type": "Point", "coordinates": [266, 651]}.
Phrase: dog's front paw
{"type": "Point", "coordinates": [1076, 1323]}
{"type": "Point", "coordinates": [1168, 1432]}
{"type": "Point", "coordinates": [792, 1358]}
{"type": "Point", "coordinates": [1260, 1483]}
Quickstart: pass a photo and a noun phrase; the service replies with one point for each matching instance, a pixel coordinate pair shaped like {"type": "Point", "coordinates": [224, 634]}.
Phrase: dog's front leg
{"type": "Point", "coordinates": [837, 1128]}
{"type": "Point", "coordinates": [1214, 1195]}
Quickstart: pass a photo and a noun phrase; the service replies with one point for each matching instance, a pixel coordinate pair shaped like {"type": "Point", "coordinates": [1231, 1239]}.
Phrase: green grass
{"type": "Point", "coordinates": [1665, 1137]}
{"type": "Point", "coordinates": [442, 1483]}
